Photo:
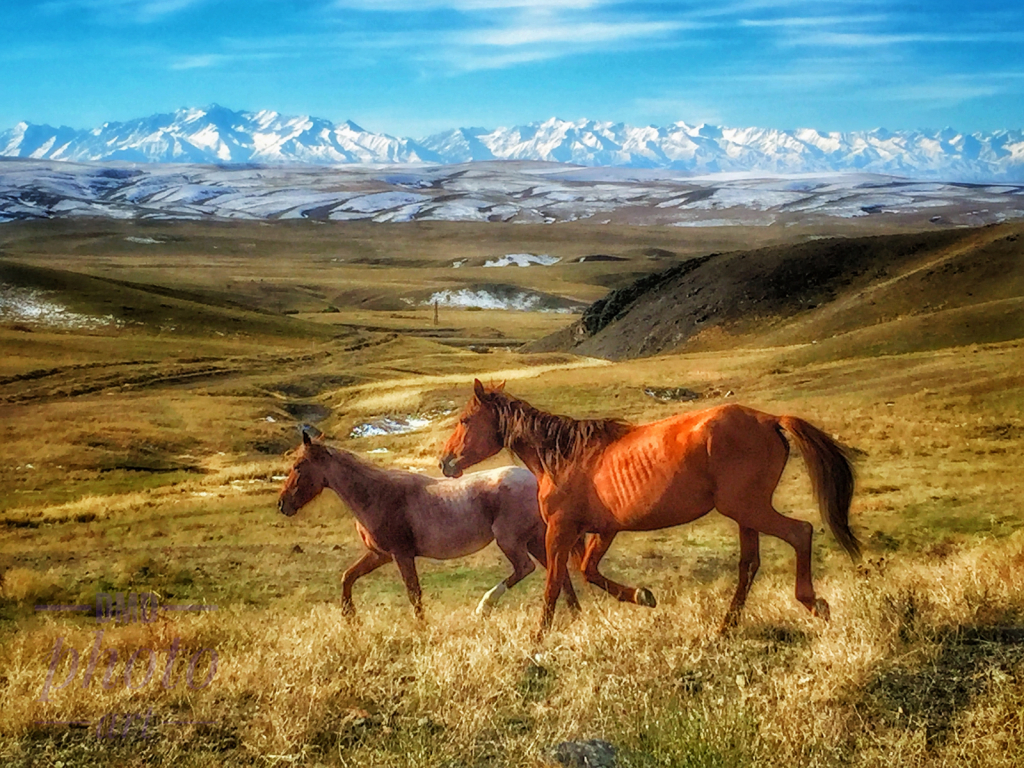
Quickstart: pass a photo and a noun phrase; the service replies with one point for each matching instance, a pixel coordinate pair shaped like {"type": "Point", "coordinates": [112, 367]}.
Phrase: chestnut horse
{"type": "Point", "coordinates": [401, 516]}
{"type": "Point", "coordinates": [603, 476]}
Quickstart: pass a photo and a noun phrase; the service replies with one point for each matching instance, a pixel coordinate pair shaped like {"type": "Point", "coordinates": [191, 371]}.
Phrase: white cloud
{"type": "Point", "coordinates": [944, 92]}
{"type": "Point", "coordinates": [574, 33]}
{"type": "Point", "coordinates": [138, 11]}
{"type": "Point", "coordinates": [201, 61]}
{"type": "Point", "coordinates": [879, 40]}
{"type": "Point", "coordinates": [468, 6]}
{"type": "Point", "coordinates": [810, 21]}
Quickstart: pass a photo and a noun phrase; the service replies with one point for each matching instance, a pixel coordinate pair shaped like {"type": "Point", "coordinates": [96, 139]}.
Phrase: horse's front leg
{"type": "Point", "coordinates": [368, 563]}
{"type": "Point", "coordinates": [407, 567]}
{"type": "Point", "coordinates": [536, 548]}
{"type": "Point", "coordinates": [596, 549]}
{"type": "Point", "coordinates": [560, 537]}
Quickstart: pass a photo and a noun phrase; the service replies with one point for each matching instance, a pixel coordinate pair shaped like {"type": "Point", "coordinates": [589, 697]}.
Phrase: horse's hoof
{"type": "Point", "coordinates": [821, 610]}
{"type": "Point", "coordinates": [729, 623]}
{"type": "Point", "coordinates": [645, 598]}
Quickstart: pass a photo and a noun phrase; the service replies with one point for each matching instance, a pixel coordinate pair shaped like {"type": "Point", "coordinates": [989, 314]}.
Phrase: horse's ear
{"type": "Point", "coordinates": [478, 389]}
{"type": "Point", "coordinates": [305, 438]}
{"type": "Point", "coordinates": [500, 387]}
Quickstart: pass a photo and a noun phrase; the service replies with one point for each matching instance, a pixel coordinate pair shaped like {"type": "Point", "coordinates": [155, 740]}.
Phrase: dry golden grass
{"type": "Point", "coordinates": [909, 673]}
{"type": "Point", "coordinates": [923, 664]}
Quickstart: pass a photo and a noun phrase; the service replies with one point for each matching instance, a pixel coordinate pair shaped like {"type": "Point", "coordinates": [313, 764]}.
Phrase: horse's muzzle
{"type": "Point", "coordinates": [450, 466]}
{"type": "Point", "coordinates": [285, 509]}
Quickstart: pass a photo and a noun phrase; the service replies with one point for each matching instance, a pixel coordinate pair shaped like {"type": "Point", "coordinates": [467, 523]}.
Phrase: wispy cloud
{"type": "Point", "coordinates": [468, 6]}
{"type": "Point", "coordinates": [201, 61]}
{"type": "Point", "coordinates": [804, 22]}
{"type": "Point", "coordinates": [214, 60]}
{"type": "Point", "coordinates": [135, 11]}
{"type": "Point", "coordinates": [943, 92]}
{"type": "Point", "coordinates": [875, 40]}
{"type": "Point", "coordinates": [574, 33]}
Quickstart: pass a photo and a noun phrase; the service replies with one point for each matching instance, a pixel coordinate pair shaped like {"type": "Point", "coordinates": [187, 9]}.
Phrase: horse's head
{"type": "Point", "coordinates": [476, 436]}
{"type": "Point", "coordinates": [306, 479]}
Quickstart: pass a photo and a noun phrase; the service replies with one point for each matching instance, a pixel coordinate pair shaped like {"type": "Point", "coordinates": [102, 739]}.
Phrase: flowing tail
{"type": "Point", "coordinates": [831, 471]}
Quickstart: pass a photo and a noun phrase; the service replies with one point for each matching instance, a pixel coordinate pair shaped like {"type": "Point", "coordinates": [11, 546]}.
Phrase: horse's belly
{"type": "Point", "coordinates": [445, 545]}
{"type": "Point", "coordinates": [452, 529]}
{"type": "Point", "coordinates": [663, 515]}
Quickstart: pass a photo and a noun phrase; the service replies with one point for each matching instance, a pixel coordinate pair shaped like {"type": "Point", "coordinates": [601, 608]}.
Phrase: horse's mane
{"type": "Point", "coordinates": [561, 442]}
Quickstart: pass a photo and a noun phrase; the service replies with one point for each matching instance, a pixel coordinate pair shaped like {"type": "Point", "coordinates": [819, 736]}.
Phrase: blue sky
{"type": "Point", "coordinates": [413, 67]}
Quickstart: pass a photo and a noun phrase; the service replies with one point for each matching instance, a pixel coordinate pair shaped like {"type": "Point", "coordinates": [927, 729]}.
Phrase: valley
{"type": "Point", "coordinates": [155, 372]}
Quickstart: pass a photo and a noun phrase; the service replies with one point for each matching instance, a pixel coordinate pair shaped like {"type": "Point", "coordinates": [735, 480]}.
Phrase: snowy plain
{"type": "Point", "coordinates": [516, 192]}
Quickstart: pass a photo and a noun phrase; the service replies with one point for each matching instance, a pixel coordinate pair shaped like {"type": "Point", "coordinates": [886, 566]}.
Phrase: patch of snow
{"type": "Point", "coordinates": [523, 260]}
{"type": "Point", "coordinates": [383, 201]}
{"type": "Point", "coordinates": [524, 301]}
{"type": "Point", "coordinates": [144, 240]}
{"type": "Point", "coordinates": [389, 425]}
{"type": "Point", "coordinates": [755, 199]}
{"type": "Point", "coordinates": [27, 305]}
{"type": "Point", "coordinates": [756, 222]}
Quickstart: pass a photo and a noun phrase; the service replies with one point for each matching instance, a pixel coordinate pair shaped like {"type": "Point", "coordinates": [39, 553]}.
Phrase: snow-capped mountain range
{"type": "Point", "coordinates": [217, 135]}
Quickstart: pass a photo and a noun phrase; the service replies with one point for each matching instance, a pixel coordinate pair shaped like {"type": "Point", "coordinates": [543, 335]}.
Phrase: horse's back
{"type": "Point", "coordinates": [455, 517]}
{"type": "Point", "coordinates": [667, 472]}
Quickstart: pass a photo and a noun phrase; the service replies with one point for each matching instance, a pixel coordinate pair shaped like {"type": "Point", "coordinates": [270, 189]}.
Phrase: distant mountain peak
{"type": "Point", "coordinates": [218, 134]}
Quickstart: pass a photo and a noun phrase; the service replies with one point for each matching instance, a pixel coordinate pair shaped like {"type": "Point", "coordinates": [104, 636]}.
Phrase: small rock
{"type": "Point", "coordinates": [671, 394]}
{"type": "Point", "coordinates": [336, 547]}
{"type": "Point", "coordinates": [296, 550]}
{"type": "Point", "coordinates": [594, 753]}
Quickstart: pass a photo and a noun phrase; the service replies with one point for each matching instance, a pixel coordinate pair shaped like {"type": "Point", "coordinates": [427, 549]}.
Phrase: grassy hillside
{"type": "Point", "coordinates": [920, 291]}
{"type": "Point", "coordinates": [138, 458]}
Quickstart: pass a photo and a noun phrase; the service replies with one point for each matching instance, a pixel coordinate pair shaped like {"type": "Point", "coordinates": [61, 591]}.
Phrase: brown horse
{"type": "Point", "coordinates": [401, 516]}
{"type": "Point", "coordinates": [602, 476]}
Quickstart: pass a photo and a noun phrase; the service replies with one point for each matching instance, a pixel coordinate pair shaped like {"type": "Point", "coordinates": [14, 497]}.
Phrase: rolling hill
{"type": "Point", "coordinates": [875, 295]}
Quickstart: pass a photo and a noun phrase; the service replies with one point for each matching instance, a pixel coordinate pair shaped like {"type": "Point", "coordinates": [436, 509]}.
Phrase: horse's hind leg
{"type": "Point", "coordinates": [536, 548]}
{"type": "Point", "coordinates": [750, 560]}
{"type": "Point", "coordinates": [797, 534]}
{"type": "Point", "coordinates": [368, 563]}
{"type": "Point", "coordinates": [596, 549]}
{"type": "Point", "coordinates": [516, 550]}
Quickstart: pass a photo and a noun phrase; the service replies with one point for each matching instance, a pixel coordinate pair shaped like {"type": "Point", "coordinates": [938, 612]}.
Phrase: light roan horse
{"type": "Point", "coordinates": [603, 476]}
{"type": "Point", "coordinates": [401, 516]}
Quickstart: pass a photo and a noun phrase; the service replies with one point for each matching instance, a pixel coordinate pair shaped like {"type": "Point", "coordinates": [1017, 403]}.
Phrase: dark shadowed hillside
{"type": "Point", "coordinates": [880, 294]}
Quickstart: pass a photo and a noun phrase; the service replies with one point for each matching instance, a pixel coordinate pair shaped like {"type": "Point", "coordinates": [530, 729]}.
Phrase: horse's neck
{"type": "Point", "coordinates": [524, 444]}
{"type": "Point", "coordinates": [547, 443]}
{"type": "Point", "coordinates": [360, 485]}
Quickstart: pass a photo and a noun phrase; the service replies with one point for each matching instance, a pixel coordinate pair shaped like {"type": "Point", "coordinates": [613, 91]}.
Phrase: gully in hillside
{"type": "Point", "coordinates": [603, 476]}
{"type": "Point", "coordinates": [401, 516]}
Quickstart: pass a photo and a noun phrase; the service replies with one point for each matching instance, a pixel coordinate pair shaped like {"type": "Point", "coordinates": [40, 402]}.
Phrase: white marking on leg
{"type": "Point", "coordinates": [491, 599]}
